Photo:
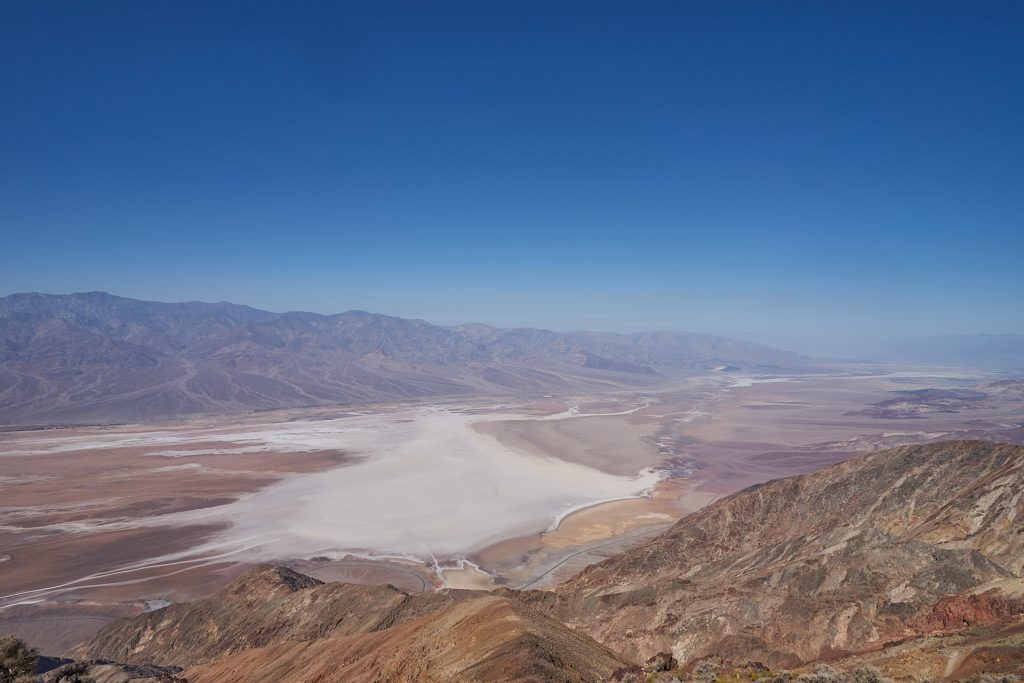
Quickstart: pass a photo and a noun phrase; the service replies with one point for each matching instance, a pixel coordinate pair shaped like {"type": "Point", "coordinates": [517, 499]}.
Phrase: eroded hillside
{"type": "Point", "coordinates": [809, 567]}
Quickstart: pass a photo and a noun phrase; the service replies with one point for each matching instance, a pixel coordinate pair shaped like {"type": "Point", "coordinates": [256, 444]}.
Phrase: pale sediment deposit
{"type": "Point", "coordinates": [429, 486]}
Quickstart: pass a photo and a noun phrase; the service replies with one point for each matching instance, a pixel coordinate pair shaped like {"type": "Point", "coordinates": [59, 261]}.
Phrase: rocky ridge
{"type": "Point", "coordinates": [819, 565]}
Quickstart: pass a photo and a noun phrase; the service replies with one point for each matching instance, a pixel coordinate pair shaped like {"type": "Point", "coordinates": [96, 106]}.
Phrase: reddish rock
{"type": "Point", "coordinates": [955, 612]}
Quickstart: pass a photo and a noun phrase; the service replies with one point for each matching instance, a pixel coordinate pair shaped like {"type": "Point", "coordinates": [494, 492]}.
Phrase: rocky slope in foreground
{"type": "Point", "coordinates": [854, 556]}
{"type": "Point", "coordinates": [273, 624]}
{"type": "Point", "coordinates": [488, 638]}
{"type": "Point", "coordinates": [910, 560]}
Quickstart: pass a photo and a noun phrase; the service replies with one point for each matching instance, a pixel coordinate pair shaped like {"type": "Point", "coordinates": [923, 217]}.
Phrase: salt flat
{"type": "Point", "coordinates": [430, 486]}
{"type": "Point", "coordinates": [414, 482]}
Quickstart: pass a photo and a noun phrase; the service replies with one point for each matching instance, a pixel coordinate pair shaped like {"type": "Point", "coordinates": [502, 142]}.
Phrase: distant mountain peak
{"type": "Point", "coordinates": [126, 359]}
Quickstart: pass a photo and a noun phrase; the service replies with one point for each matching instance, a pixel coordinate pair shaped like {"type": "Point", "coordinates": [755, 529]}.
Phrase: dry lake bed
{"type": "Point", "coordinates": [99, 522]}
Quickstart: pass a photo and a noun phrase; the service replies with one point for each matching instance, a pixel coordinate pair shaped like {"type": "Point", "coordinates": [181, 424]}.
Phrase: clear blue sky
{"type": "Point", "coordinates": [809, 173]}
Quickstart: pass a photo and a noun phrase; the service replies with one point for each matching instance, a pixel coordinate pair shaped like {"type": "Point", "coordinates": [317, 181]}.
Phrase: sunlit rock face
{"type": "Point", "coordinates": [797, 569]}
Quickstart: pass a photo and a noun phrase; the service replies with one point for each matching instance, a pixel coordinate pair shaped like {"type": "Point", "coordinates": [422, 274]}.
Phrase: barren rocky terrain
{"type": "Point", "coordinates": [98, 523]}
{"type": "Point", "coordinates": [909, 560]}
{"type": "Point", "coordinates": [855, 555]}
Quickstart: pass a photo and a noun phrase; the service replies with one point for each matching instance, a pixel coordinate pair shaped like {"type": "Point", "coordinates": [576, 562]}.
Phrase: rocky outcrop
{"type": "Point", "coordinates": [988, 652]}
{"type": "Point", "coordinates": [815, 566]}
{"type": "Point", "coordinates": [488, 638]}
{"type": "Point", "coordinates": [264, 606]}
{"type": "Point", "coordinates": [957, 612]}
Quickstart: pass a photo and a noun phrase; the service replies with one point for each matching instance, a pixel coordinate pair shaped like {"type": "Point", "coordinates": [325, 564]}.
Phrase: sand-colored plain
{"type": "Point", "coordinates": [618, 444]}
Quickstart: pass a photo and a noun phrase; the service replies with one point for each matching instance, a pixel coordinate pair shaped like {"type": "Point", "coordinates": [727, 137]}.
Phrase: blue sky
{"type": "Point", "coordinates": [817, 174]}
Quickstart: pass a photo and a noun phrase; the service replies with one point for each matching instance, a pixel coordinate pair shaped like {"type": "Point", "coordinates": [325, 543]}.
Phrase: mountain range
{"type": "Point", "coordinates": [95, 357]}
{"type": "Point", "coordinates": [910, 560]}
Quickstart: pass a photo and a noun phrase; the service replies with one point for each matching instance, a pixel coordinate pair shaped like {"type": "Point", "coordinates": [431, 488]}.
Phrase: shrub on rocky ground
{"type": "Point", "coordinates": [17, 660]}
{"type": "Point", "coordinates": [72, 673]}
{"type": "Point", "coordinates": [823, 673]}
{"type": "Point", "coordinates": [869, 675]}
{"type": "Point", "coordinates": [705, 671]}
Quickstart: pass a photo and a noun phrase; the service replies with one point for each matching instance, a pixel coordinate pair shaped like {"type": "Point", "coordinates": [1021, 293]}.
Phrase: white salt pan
{"type": "Point", "coordinates": [430, 485]}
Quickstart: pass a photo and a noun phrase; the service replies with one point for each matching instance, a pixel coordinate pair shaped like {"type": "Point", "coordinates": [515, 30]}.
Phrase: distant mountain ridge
{"type": "Point", "coordinates": [96, 357]}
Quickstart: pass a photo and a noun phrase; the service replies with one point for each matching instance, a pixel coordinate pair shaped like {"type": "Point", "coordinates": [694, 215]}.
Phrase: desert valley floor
{"type": "Point", "coordinates": [106, 521]}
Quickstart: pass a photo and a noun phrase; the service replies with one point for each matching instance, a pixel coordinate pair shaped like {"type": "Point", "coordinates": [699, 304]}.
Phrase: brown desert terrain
{"type": "Point", "coordinates": [100, 522]}
{"type": "Point", "coordinates": [908, 560]}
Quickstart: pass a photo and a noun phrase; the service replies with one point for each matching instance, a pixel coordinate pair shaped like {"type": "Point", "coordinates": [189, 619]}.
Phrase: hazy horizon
{"type": "Point", "coordinates": [820, 177]}
{"type": "Point", "coordinates": [811, 346]}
